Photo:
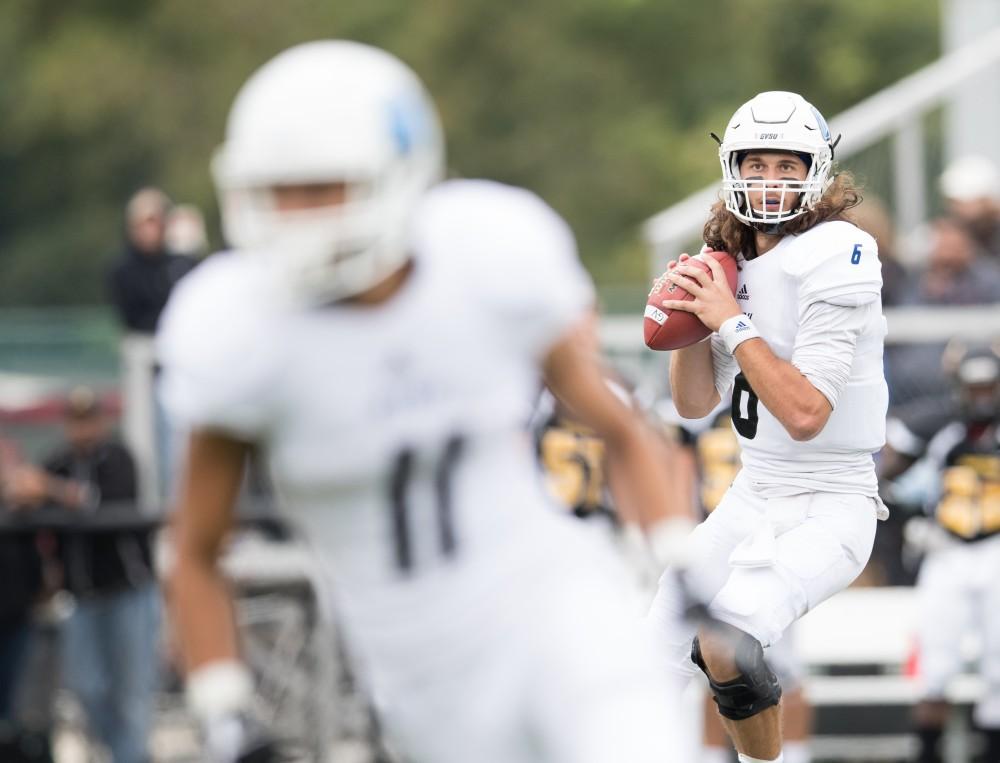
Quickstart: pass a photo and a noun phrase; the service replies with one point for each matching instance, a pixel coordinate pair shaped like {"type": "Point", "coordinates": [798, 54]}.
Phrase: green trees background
{"type": "Point", "coordinates": [601, 106]}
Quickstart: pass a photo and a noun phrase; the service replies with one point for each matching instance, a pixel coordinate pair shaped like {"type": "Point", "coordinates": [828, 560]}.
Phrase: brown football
{"type": "Point", "coordinates": [666, 329]}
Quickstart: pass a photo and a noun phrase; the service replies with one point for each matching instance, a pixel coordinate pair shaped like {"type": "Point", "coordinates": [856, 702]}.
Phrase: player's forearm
{"type": "Point", "coordinates": [198, 594]}
{"type": "Point", "coordinates": [692, 380]}
{"type": "Point", "coordinates": [201, 609]}
{"type": "Point", "coordinates": [789, 396]}
{"type": "Point", "coordinates": [639, 475]}
{"type": "Point", "coordinates": [218, 686]}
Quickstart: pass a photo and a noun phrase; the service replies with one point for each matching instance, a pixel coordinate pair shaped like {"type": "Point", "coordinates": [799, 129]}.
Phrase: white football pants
{"type": "Point", "coordinates": [762, 563]}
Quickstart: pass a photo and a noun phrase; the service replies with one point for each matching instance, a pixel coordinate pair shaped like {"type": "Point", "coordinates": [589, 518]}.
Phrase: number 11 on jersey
{"type": "Point", "coordinates": [400, 506]}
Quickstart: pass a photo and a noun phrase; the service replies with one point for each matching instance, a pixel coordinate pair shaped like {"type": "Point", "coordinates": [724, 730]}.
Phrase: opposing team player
{"type": "Point", "coordinates": [801, 348]}
{"type": "Point", "coordinates": [381, 335]}
{"type": "Point", "coordinates": [957, 585]}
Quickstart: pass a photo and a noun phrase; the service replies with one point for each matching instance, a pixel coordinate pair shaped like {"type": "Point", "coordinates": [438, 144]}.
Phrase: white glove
{"type": "Point", "coordinates": [669, 542]}
{"type": "Point", "coordinates": [225, 738]}
{"type": "Point", "coordinates": [219, 694]}
{"type": "Point", "coordinates": [663, 545]}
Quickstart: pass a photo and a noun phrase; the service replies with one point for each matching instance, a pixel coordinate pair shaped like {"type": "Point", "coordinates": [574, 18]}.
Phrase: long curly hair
{"type": "Point", "coordinates": [725, 232]}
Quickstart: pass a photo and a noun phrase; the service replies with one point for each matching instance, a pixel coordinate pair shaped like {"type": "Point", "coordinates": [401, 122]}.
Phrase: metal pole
{"type": "Point", "coordinates": [909, 175]}
{"type": "Point", "coordinates": [973, 109]}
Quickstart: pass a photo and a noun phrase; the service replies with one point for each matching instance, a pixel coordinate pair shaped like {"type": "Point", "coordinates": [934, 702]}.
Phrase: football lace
{"type": "Point", "coordinates": [657, 285]}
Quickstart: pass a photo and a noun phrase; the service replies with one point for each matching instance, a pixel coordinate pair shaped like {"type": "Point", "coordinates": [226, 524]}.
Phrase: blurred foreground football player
{"type": "Point", "coordinates": [801, 347]}
{"type": "Point", "coordinates": [381, 336]}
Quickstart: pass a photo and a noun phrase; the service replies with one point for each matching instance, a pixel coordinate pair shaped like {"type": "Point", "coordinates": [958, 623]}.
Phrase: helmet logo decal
{"type": "Point", "coordinates": [407, 122]}
{"type": "Point", "coordinates": [824, 128]}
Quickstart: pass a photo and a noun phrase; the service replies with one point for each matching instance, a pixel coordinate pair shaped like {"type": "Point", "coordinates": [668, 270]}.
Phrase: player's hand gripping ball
{"type": "Point", "coordinates": [666, 329]}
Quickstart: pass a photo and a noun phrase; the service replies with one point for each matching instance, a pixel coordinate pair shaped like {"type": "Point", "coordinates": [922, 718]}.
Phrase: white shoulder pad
{"type": "Point", "coordinates": [516, 251]}
{"type": "Point", "coordinates": [214, 347]}
{"type": "Point", "coordinates": [835, 262]}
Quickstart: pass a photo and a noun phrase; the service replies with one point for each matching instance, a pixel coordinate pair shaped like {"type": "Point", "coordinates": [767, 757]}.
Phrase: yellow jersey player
{"type": "Point", "coordinates": [957, 584]}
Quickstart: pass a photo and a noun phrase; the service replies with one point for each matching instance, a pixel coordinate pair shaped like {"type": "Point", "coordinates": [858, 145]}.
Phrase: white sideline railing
{"type": "Point", "coordinates": [889, 112]}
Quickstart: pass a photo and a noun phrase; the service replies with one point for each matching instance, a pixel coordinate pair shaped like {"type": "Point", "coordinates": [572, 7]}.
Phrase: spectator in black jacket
{"type": "Point", "coordinates": [111, 641]}
{"type": "Point", "coordinates": [142, 278]}
{"type": "Point", "coordinates": [140, 282]}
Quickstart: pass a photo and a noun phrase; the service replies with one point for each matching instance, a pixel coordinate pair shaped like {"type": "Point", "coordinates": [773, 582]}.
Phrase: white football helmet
{"type": "Point", "coordinates": [329, 112]}
{"type": "Point", "coordinates": [776, 121]}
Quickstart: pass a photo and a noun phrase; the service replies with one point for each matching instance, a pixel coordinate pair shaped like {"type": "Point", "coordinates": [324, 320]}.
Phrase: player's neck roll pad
{"type": "Point", "coordinates": [753, 691]}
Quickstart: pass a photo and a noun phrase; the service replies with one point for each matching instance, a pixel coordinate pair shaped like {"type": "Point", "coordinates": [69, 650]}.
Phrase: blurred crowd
{"type": "Point", "coordinates": [952, 261]}
{"type": "Point", "coordinates": [75, 545]}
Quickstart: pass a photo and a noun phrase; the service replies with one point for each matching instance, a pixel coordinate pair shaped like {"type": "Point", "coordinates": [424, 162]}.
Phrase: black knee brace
{"type": "Point", "coordinates": [753, 691]}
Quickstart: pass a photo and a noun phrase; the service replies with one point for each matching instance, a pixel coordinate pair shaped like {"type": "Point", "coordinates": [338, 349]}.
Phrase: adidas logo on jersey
{"type": "Point", "coordinates": [741, 326]}
{"type": "Point", "coordinates": [743, 293]}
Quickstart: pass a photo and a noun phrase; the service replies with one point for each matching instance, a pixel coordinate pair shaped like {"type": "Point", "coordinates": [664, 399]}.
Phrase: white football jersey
{"type": "Point", "coordinates": [816, 300]}
{"type": "Point", "coordinates": [396, 433]}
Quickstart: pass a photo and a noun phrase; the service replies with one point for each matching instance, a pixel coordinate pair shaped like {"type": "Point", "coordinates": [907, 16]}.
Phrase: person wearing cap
{"type": "Point", "coordinates": [970, 187]}
{"type": "Point", "coordinates": [111, 640]}
{"type": "Point", "coordinates": [956, 587]}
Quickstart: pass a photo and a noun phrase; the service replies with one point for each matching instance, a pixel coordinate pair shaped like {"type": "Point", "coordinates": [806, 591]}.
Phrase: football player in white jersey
{"type": "Point", "coordinates": [800, 346]}
{"type": "Point", "coordinates": [382, 335]}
